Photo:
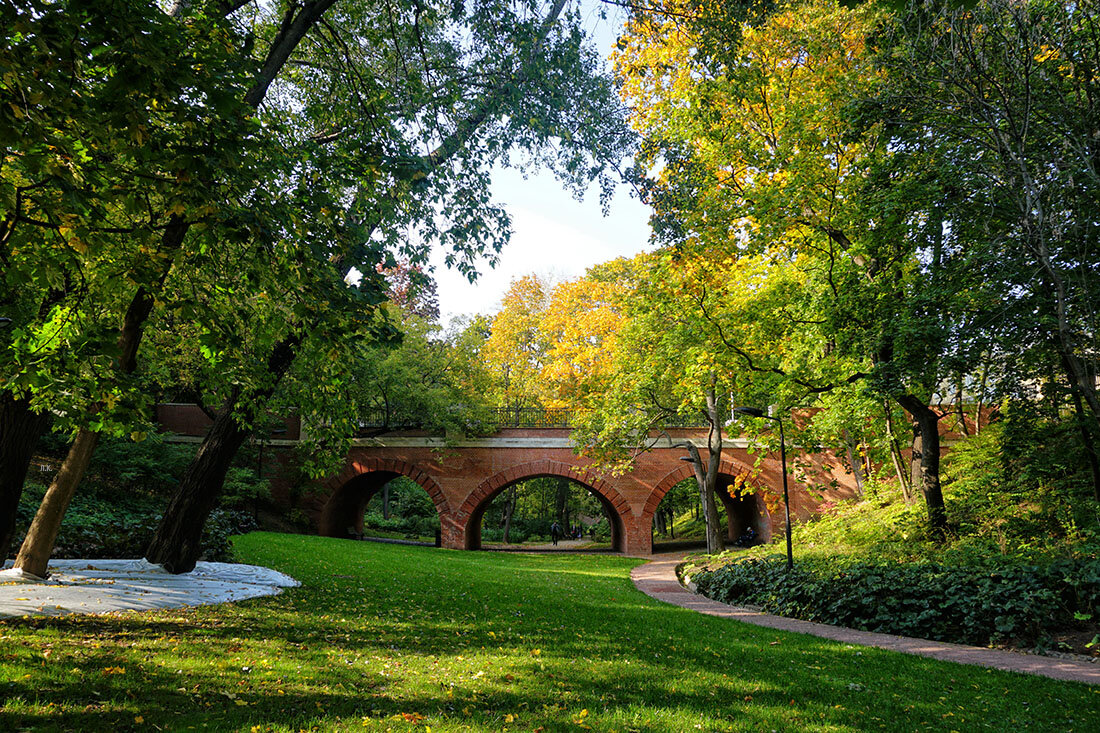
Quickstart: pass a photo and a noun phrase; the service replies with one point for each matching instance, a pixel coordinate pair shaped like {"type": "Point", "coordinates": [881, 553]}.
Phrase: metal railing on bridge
{"type": "Point", "coordinates": [505, 417]}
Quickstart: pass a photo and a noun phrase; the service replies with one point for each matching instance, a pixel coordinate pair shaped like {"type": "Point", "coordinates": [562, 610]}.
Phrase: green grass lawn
{"type": "Point", "coordinates": [389, 637]}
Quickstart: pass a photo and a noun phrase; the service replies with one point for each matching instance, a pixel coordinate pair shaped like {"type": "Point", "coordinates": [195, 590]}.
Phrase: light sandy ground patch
{"type": "Point", "coordinates": [104, 586]}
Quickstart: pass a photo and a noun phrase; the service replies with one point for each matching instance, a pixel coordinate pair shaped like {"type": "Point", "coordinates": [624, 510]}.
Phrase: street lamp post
{"type": "Point", "coordinates": [757, 412]}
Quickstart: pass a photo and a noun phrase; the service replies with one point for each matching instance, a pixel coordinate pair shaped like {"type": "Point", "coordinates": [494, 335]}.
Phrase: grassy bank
{"type": "Point", "coordinates": [384, 637]}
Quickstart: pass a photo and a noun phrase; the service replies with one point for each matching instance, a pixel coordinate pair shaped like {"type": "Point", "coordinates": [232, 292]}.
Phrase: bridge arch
{"type": "Point", "coordinates": [353, 488]}
{"type": "Point", "coordinates": [616, 508]}
{"type": "Point", "coordinates": [740, 513]}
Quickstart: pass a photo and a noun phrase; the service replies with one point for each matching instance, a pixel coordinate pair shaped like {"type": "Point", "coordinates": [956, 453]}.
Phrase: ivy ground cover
{"type": "Point", "coordinates": [385, 637]}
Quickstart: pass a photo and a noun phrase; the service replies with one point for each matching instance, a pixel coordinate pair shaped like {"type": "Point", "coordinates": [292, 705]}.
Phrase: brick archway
{"type": "Point", "coordinates": [738, 515]}
{"type": "Point", "coordinates": [353, 488]}
{"type": "Point", "coordinates": [473, 509]}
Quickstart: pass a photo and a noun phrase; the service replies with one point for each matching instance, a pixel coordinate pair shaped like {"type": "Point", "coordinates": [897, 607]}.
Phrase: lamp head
{"type": "Point", "coordinates": [750, 411]}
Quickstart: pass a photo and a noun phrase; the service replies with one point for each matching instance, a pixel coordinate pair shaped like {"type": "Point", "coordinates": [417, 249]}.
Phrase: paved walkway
{"type": "Point", "coordinates": [657, 579]}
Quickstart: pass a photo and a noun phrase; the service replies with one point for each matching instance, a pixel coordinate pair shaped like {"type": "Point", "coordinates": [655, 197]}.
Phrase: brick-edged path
{"type": "Point", "coordinates": [657, 579]}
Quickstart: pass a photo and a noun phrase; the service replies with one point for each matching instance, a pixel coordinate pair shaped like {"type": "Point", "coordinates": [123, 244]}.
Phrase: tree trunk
{"type": "Point", "coordinates": [34, 555]}
{"type": "Point", "coordinates": [177, 543]}
{"type": "Point", "coordinates": [671, 523]}
{"type": "Point", "coordinates": [895, 456]}
{"type": "Point", "coordinates": [561, 497]}
{"type": "Point", "coordinates": [386, 501]}
{"type": "Point", "coordinates": [959, 411]}
{"type": "Point", "coordinates": [20, 428]}
{"type": "Point", "coordinates": [981, 397]}
{"type": "Point", "coordinates": [1085, 426]}
{"type": "Point", "coordinates": [857, 465]}
{"type": "Point", "coordinates": [509, 510]}
{"type": "Point", "coordinates": [1088, 443]}
{"type": "Point", "coordinates": [915, 453]}
{"type": "Point", "coordinates": [926, 428]}
{"type": "Point", "coordinates": [706, 475]}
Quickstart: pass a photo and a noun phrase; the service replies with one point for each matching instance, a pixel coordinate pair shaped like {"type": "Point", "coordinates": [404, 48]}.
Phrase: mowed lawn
{"type": "Point", "coordinates": [385, 637]}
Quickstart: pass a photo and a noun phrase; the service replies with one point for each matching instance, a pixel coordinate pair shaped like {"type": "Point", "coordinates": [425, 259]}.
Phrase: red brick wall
{"type": "Point", "coordinates": [461, 481]}
{"type": "Point", "coordinates": [188, 419]}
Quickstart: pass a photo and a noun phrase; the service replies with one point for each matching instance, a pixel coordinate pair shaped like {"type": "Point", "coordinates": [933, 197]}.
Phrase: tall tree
{"type": "Point", "coordinates": [516, 348]}
{"type": "Point", "coordinates": [1007, 92]}
{"type": "Point", "coordinates": [767, 146]}
{"type": "Point", "coordinates": [94, 183]}
{"type": "Point", "coordinates": [535, 88]}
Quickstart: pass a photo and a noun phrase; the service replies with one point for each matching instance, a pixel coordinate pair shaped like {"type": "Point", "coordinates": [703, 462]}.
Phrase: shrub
{"type": "Point", "coordinates": [971, 605]}
{"type": "Point", "coordinates": [122, 497]}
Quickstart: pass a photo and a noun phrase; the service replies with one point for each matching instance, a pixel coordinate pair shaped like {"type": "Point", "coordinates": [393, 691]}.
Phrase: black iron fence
{"type": "Point", "coordinates": [505, 417]}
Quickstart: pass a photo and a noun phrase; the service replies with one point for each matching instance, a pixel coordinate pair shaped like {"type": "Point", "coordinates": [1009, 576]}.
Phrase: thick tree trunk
{"type": "Point", "coordinates": [20, 428]}
{"type": "Point", "coordinates": [177, 544]}
{"type": "Point", "coordinates": [386, 501]}
{"type": "Point", "coordinates": [34, 555]}
{"type": "Point", "coordinates": [926, 426]}
{"type": "Point", "coordinates": [1086, 426]}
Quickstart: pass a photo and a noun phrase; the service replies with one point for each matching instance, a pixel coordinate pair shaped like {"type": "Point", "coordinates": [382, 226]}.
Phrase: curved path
{"type": "Point", "coordinates": [657, 579]}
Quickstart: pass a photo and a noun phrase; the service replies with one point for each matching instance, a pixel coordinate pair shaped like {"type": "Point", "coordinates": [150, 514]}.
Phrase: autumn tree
{"type": "Point", "coordinates": [516, 348]}
{"type": "Point", "coordinates": [767, 147]}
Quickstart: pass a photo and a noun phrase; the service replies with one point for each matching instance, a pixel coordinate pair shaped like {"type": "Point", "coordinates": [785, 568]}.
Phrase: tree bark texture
{"type": "Point", "coordinates": [34, 554]}
{"type": "Point", "coordinates": [926, 426]}
{"type": "Point", "coordinates": [855, 460]}
{"type": "Point", "coordinates": [20, 428]}
{"type": "Point", "coordinates": [177, 544]}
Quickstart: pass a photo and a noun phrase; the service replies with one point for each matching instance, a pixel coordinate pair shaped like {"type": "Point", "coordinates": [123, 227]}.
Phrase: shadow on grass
{"type": "Point", "coordinates": [404, 639]}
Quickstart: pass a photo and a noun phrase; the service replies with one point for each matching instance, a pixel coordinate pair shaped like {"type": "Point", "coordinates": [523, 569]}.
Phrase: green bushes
{"type": "Point", "coordinates": [116, 510]}
{"type": "Point", "coordinates": [411, 511]}
{"type": "Point", "coordinates": [96, 526]}
{"type": "Point", "coordinates": [971, 605]}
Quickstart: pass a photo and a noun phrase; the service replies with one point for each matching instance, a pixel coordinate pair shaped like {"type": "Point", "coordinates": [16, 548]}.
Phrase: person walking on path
{"type": "Point", "coordinates": [555, 532]}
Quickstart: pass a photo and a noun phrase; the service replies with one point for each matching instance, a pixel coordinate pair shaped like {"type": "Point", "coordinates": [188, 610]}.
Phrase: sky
{"type": "Point", "coordinates": [553, 234]}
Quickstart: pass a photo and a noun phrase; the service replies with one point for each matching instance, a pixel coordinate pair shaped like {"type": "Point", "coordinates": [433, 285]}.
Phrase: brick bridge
{"type": "Point", "coordinates": [463, 475]}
